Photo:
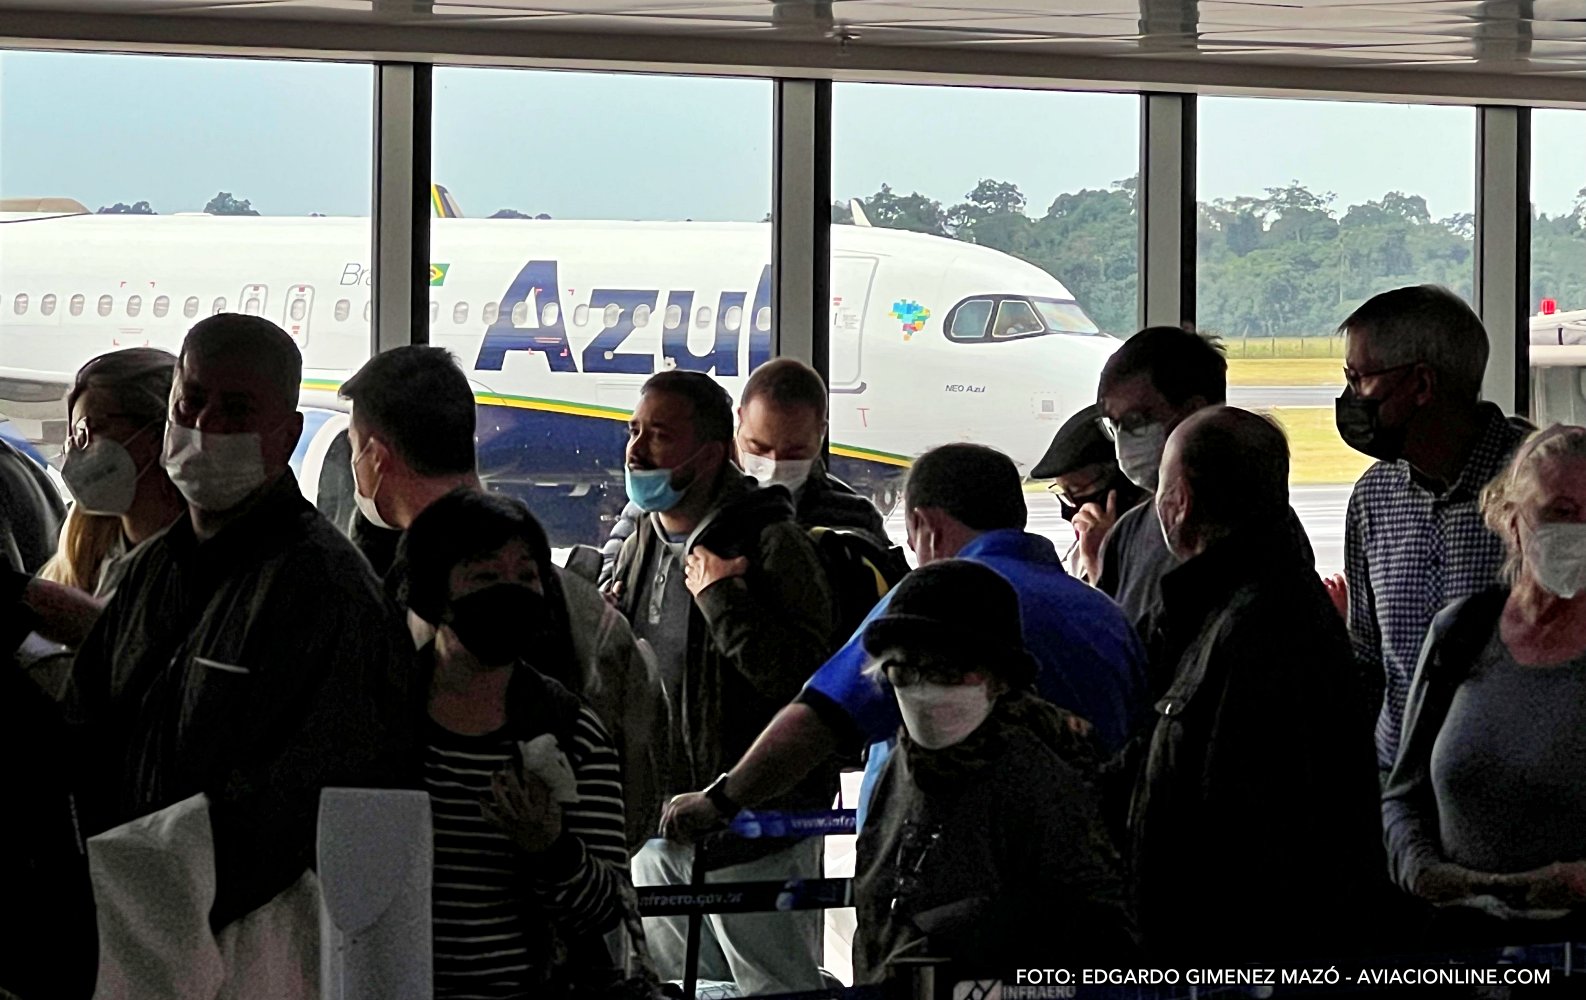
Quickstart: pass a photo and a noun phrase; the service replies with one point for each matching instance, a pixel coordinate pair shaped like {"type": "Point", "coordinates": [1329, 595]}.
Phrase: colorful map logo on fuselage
{"type": "Point", "coordinates": [438, 274]}
{"type": "Point", "coordinates": [912, 315]}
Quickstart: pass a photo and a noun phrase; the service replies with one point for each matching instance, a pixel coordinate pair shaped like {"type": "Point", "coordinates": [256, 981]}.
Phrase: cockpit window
{"type": "Point", "coordinates": [992, 318]}
{"type": "Point", "coordinates": [1064, 317]}
{"type": "Point", "coordinates": [969, 322]}
{"type": "Point", "coordinates": [1016, 318]}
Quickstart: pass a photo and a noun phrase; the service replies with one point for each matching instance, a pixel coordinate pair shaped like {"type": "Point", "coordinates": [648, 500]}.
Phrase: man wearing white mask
{"type": "Point", "coordinates": [248, 653]}
{"type": "Point", "coordinates": [1157, 379]}
{"type": "Point", "coordinates": [1254, 821]}
{"type": "Point", "coordinates": [780, 439]}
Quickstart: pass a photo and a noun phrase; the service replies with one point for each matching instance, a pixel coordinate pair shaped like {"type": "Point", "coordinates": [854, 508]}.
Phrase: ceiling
{"type": "Point", "coordinates": [1460, 50]}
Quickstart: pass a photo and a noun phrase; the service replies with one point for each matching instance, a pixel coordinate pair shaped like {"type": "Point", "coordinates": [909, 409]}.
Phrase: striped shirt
{"type": "Point", "coordinates": [1409, 552]}
{"type": "Point", "coordinates": [491, 900]}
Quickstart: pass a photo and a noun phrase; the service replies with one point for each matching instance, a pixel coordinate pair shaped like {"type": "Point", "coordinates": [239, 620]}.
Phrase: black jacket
{"type": "Point", "coordinates": [1255, 822]}
{"type": "Point", "coordinates": [259, 667]}
{"type": "Point", "coordinates": [996, 855]}
{"type": "Point", "coordinates": [752, 641]}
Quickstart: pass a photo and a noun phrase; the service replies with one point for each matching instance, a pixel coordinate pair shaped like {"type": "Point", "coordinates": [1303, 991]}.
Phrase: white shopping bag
{"type": "Point", "coordinates": [154, 885]}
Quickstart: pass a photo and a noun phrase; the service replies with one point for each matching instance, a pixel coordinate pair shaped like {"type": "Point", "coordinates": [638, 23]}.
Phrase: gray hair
{"type": "Point", "coordinates": [1426, 324]}
{"type": "Point", "coordinates": [1512, 489]}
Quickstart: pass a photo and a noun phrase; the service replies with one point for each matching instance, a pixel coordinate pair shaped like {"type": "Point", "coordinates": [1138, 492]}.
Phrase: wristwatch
{"type": "Point", "coordinates": [716, 795]}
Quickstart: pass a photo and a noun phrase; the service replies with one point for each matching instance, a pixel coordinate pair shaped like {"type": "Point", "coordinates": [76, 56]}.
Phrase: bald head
{"type": "Point", "coordinates": [1224, 470]}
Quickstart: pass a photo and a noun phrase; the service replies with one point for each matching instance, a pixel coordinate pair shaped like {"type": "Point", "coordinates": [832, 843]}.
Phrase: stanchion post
{"type": "Point", "coordinates": [696, 922]}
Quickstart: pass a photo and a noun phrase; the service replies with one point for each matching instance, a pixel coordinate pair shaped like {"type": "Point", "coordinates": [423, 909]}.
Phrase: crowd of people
{"type": "Point", "coordinates": [1176, 744]}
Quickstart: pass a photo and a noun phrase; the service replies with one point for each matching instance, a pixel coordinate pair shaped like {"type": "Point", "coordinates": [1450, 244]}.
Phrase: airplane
{"type": "Point", "coordinates": [558, 324]}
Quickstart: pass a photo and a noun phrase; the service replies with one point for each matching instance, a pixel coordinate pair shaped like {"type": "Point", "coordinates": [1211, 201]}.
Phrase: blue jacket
{"type": "Point", "coordinates": [1090, 658]}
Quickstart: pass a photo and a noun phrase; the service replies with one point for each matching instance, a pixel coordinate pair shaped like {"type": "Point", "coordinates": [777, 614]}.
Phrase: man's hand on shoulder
{"type": "Point", "coordinates": [704, 568]}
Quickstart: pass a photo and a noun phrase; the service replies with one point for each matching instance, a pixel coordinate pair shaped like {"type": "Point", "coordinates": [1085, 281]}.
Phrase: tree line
{"type": "Point", "coordinates": [1287, 263]}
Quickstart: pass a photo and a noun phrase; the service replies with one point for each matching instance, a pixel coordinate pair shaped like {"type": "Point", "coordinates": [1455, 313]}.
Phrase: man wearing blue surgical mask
{"type": "Point", "coordinates": [249, 653]}
{"type": "Point", "coordinates": [1156, 380]}
{"type": "Point", "coordinates": [732, 595]}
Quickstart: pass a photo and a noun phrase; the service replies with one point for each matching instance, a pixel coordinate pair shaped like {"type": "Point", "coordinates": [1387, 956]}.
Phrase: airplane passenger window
{"type": "Point", "coordinates": [134, 305]}
{"type": "Point", "coordinates": [20, 305]}
{"type": "Point", "coordinates": [969, 323]}
{"type": "Point", "coordinates": [702, 318]}
{"type": "Point", "coordinates": [733, 317]}
{"type": "Point", "coordinates": [105, 305]}
{"type": "Point", "coordinates": [762, 319]}
{"type": "Point", "coordinates": [252, 307]}
{"type": "Point", "coordinates": [162, 305]}
{"type": "Point", "coordinates": [580, 315]}
{"type": "Point", "coordinates": [190, 307]}
{"type": "Point", "coordinates": [1016, 318]}
{"type": "Point", "coordinates": [641, 316]}
{"type": "Point", "coordinates": [492, 312]}
{"type": "Point", "coordinates": [460, 313]}
{"type": "Point", "coordinates": [609, 318]}
{"type": "Point", "coordinates": [368, 309]}
{"type": "Point", "coordinates": [550, 314]}
{"type": "Point", "coordinates": [218, 307]}
{"type": "Point", "coordinates": [47, 305]}
{"type": "Point", "coordinates": [674, 317]}
{"type": "Point", "coordinates": [76, 305]}
{"type": "Point", "coordinates": [299, 310]}
{"type": "Point", "coordinates": [520, 314]}
{"type": "Point", "coordinates": [343, 310]}
{"type": "Point", "coordinates": [435, 312]}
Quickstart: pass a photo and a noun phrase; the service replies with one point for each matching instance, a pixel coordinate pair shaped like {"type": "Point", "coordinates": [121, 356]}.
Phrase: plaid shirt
{"type": "Point", "coordinates": [1409, 552]}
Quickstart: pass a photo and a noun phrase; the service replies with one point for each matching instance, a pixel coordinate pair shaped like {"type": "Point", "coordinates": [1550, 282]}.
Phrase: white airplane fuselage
{"type": "Point", "coordinates": [558, 324]}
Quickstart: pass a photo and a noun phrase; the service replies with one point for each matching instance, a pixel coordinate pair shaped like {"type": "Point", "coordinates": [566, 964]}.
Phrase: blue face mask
{"type": "Point", "coordinates": [651, 490]}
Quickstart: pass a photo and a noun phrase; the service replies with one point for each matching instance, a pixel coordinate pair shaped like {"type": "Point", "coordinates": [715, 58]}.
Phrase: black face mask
{"type": "Point", "coordinates": [1360, 425]}
{"type": "Point", "coordinates": [500, 624]}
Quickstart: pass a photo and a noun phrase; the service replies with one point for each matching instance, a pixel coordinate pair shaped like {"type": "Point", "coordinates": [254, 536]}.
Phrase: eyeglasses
{"type": "Point", "coordinates": [1353, 378]}
{"type": "Point", "coordinates": [1129, 423]}
{"type": "Point", "coordinates": [1072, 496]}
{"type": "Point", "coordinates": [84, 430]}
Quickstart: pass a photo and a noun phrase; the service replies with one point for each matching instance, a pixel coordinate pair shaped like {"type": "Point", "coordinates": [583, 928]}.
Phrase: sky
{"type": "Point", "coordinates": [294, 138]}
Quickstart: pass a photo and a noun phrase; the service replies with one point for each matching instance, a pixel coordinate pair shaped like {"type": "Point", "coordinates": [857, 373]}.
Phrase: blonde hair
{"type": "Point", "coordinates": [1508, 493]}
{"type": "Point", "coordinates": [86, 542]}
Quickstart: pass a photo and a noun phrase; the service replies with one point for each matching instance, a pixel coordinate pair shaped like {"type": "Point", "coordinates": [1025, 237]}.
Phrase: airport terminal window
{"type": "Point", "coordinates": [1297, 230]}
{"type": "Point", "coordinates": [987, 232]}
{"type": "Point", "coordinates": [1558, 265]}
{"type": "Point", "coordinates": [191, 136]}
{"type": "Point", "coordinates": [601, 262]}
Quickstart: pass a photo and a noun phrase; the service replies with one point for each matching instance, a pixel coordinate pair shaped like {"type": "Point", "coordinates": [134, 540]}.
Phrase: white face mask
{"type": "Point", "coordinates": [366, 504]}
{"type": "Point", "coordinates": [1555, 556]}
{"type": "Point", "coordinates": [102, 477]}
{"type": "Point", "coordinates": [942, 715]}
{"type": "Point", "coordinates": [791, 473]}
{"type": "Point", "coordinates": [1140, 454]}
{"type": "Point", "coordinates": [214, 472]}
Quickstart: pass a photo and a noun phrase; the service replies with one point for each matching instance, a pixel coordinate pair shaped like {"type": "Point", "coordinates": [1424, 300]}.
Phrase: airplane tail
{"type": "Point", "coordinates": [444, 204]}
{"type": "Point", "coordinates": [857, 210]}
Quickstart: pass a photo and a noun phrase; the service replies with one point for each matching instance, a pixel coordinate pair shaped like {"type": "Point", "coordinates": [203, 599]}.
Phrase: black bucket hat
{"type": "Point", "coordinates": [1078, 443]}
{"type": "Point", "coordinates": [957, 606]}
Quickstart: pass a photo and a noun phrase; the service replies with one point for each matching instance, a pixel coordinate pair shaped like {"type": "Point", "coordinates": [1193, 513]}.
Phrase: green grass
{"type": "Point", "coordinates": [1284, 347]}
{"type": "Point", "coordinates": [1317, 456]}
{"type": "Point", "coordinates": [1286, 371]}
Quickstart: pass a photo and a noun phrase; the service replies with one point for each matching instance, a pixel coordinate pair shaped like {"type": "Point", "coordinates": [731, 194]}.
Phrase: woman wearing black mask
{"type": "Point", "coordinates": [530, 855]}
